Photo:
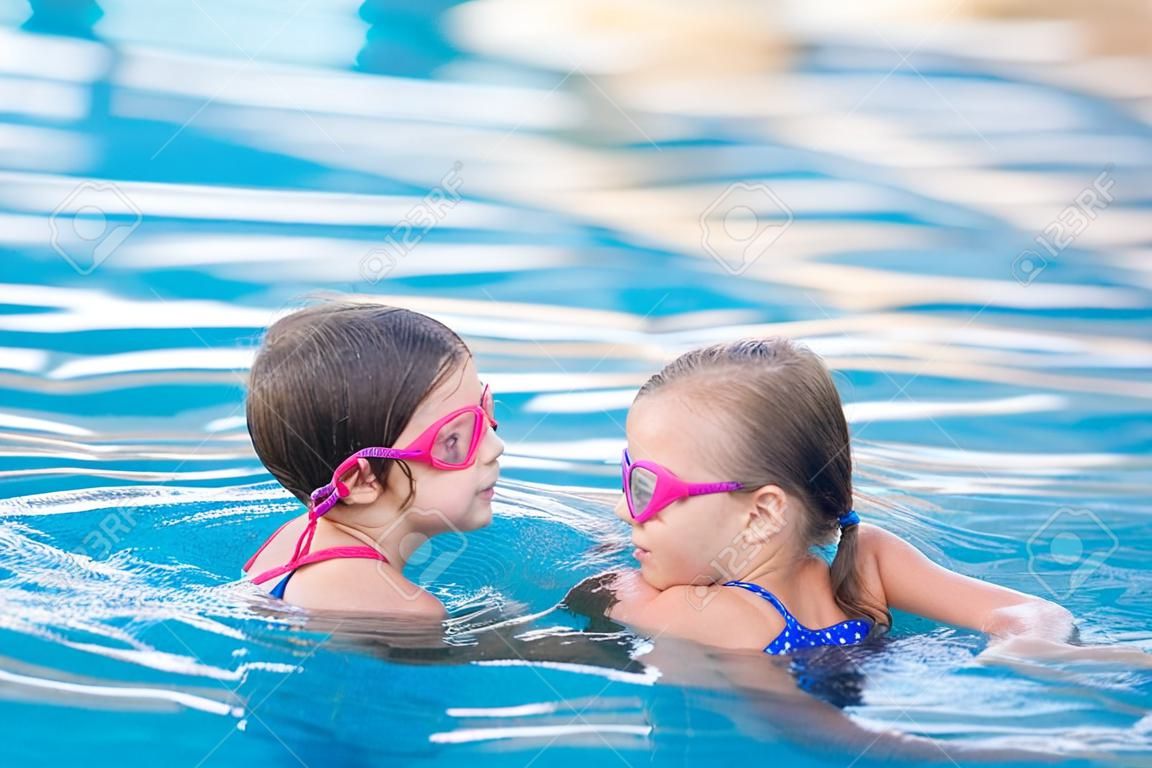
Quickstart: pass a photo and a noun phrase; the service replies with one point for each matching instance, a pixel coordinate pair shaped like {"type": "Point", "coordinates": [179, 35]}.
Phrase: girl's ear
{"type": "Point", "coordinates": [766, 518]}
{"type": "Point", "coordinates": [363, 485]}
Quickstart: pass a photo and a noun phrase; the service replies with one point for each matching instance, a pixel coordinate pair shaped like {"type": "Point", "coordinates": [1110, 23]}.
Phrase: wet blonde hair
{"type": "Point", "coordinates": [777, 400]}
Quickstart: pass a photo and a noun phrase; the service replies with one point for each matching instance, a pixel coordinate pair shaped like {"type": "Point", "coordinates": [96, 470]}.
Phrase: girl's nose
{"type": "Point", "coordinates": [621, 511]}
{"type": "Point", "coordinates": [492, 448]}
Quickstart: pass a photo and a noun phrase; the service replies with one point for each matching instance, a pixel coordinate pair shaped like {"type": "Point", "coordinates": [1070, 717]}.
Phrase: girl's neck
{"type": "Point", "coordinates": [387, 537]}
{"type": "Point", "coordinates": [789, 575]}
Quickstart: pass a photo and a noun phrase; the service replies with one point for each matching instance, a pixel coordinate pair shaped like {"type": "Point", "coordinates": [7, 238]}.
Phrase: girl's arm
{"type": "Point", "coordinates": [913, 583]}
{"type": "Point", "coordinates": [715, 616]}
{"type": "Point", "coordinates": [1022, 628]}
{"type": "Point", "coordinates": [775, 708]}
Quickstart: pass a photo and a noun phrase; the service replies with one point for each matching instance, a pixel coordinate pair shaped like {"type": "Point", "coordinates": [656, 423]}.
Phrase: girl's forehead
{"type": "Point", "coordinates": [461, 386]}
{"type": "Point", "coordinates": [671, 425]}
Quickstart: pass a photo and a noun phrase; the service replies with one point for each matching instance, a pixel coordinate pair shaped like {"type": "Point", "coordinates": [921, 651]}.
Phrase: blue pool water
{"type": "Point", "coordinates": [172, 181]}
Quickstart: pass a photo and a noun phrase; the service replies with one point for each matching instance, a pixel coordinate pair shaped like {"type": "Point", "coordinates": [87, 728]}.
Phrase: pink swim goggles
{"type": "Point", "coordinates": [649, 487]}
{"type": "Point", "coordinates": [450, 443]}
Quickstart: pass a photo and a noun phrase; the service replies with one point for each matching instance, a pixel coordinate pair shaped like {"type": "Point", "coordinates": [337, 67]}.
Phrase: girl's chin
{"type": "Point", "coordinates": [661, 581]}
{"type": "Point", "coordinates": [651, 574]}
{"type": "Point", "coordinates": [480, 517]}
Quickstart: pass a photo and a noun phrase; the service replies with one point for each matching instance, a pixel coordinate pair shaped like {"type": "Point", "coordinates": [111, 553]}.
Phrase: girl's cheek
{"type": "Point", "coordinates": [676, 564]}
{"type": "Point", "coordinates": [687, 543]}
{"type": "Point", "coordinates": [707, 562]}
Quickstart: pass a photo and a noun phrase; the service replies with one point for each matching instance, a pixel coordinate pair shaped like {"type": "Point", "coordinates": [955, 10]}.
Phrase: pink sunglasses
{"type": "Point", "coordinates": [442, 445]}
{"type": "Point", "coordinates": [649, 487]}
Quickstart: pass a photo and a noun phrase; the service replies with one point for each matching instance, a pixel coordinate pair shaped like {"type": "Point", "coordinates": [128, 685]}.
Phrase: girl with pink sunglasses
{"type": "Point", "coordinates": [375, 418]}
{"type": "Point", "coordinates": [738, 468]}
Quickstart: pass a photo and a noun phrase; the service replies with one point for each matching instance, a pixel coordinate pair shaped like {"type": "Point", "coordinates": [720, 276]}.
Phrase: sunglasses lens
{"type": "Point", "coordinates": [453, 443]}
{"type": "Point", "coordinates": [641, 487]}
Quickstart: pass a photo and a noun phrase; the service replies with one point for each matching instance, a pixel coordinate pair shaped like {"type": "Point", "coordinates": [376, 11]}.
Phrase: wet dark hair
{"type": "Point", "coordinates": [777, 400]}
{"type": "Point", "coordinates": [337, 377]}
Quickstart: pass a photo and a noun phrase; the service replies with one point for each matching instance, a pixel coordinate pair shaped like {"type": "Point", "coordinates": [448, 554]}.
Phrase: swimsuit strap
{"type": "Point", "coordinates": [301, 556]}
{"type": "Point", "coordinates": [795, 635]}
{"type": "Point", "coordinates": [248, 565]}
{"type": "Point", "coordinates": [771, 598]}
{"type": "Point", "coordinates": [303, 544]}
{"type": "Point", "coordinates": [332, 553]}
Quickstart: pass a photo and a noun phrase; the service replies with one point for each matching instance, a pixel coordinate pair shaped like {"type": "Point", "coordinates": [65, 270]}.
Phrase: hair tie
{"type": "Point", "coordinates": [848, 519]}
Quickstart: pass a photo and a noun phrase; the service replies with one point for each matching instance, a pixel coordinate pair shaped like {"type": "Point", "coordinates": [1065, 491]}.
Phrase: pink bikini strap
{"type": "Point", "coordinates": [300, 555]}
{"type": "Point", "coordinates": [303, 544]}
{"type": "Point", "coordinates": [251, 560]}
{"type": "Point", "coordinates": [332, 553]}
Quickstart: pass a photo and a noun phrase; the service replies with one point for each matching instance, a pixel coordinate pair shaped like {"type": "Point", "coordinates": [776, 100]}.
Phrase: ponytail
{"type": "Point", "coordinates": [846, 586]}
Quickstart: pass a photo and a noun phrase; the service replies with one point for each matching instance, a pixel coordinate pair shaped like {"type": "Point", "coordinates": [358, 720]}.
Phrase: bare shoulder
{"type": "Point", "coordinates": [360, 585]}
{"type": "Point", "coordinates": [873, 539]}
{"type": "Point", "coordinates": [348, 584]}
{"type": "Point", "coordinates": [885, 551]}
{"type": "Point", "coordinates": [718, 616]}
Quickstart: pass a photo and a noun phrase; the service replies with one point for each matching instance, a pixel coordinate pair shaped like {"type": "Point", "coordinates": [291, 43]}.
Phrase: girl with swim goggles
{"type": "Point", "coordinates": [738, 471]}
{"type": "Point", "coordinates": [397, 447]}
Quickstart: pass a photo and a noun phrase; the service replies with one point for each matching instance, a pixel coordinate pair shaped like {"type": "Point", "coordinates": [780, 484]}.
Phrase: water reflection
{"type": "Point", "coordinates": [70, 18]}
{"type": "Point", "coordinates": [405, 40]}
{"type": "Point", "coordinates": [920, 218]}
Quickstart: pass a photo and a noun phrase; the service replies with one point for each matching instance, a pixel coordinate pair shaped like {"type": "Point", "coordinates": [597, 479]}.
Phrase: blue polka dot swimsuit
{"type": "Point", "coordinates": [796, 635]}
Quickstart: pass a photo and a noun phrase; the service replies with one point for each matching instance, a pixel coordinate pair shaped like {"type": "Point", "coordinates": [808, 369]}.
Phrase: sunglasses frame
{"type": "Point", "coordinates": [419, 450]}
{"type": "Point", "coordinates": [668, 487]}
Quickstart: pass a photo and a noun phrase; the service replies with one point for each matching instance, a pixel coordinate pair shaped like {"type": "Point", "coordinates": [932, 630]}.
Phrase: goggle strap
{"type": "Point", "coordinates": [701, 489]}
{"type": "Point", "coordinates": [304, 543]}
